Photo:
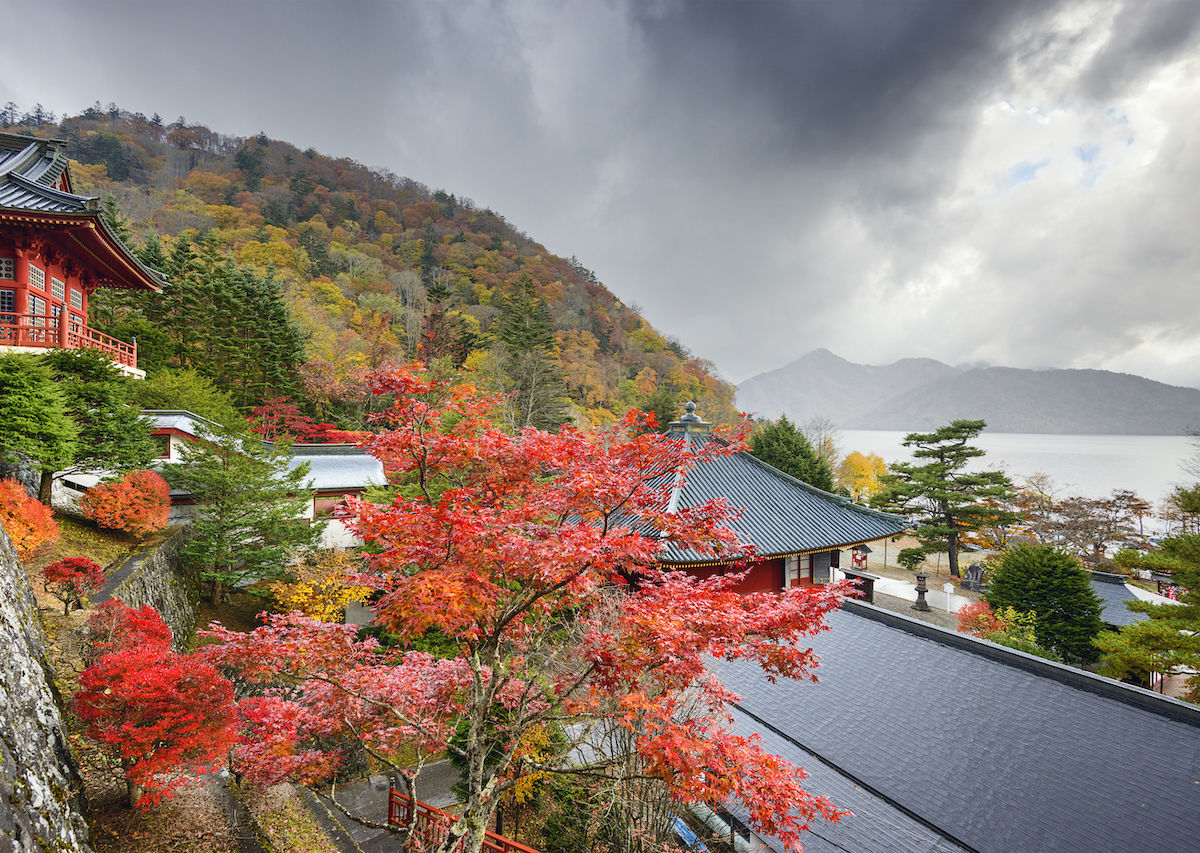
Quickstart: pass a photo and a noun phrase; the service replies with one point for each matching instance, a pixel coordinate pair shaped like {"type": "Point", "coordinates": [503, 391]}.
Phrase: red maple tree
{"type": "Point", "coordinates": [280, 416]}
{"type": "Point", "coordinates": [536, 555]}
{"type": "Point", "coordinates": [28, 522]}
{"type": "Point", "coordinates": [138, 503]}
{"type": "Point", "coordinates": [71, 579]}
{"type": "Point", "coordinates": [167, 716]}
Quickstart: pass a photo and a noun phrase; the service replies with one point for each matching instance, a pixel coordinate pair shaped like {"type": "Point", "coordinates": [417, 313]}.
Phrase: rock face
{"type": "Point", "coordinates": [41, 806]}
{"type": "Point", "coordinates": [155, 577]}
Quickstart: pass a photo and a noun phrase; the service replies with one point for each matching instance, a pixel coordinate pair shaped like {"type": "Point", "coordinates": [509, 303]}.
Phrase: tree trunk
{"type": "Point", "coordinates": [469, 831]}
{"type": "Point", "coordinates": [952, 547]}
{"type": "Point", "coordinates": [217, 589]}
{"type": "Point", "coordinates": [45, 486]}
{"type": "Point", "coordinates": [132, 789]}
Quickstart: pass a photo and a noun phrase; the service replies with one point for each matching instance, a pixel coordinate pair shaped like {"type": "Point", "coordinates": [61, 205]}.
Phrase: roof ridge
{"type": "Point", "coordinates": [858, 781]}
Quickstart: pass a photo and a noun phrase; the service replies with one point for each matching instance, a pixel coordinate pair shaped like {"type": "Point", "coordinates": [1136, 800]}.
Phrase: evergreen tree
{"type": "Point", "coordinates": [249, 501]}
{"type": "Point", "coordinates": [1171, 637]}
{"type": "Point", "coordinates": [946, 499]}
{"type": "Point", "coordinates": [1057, 590]}
{"type": "Point", "coordinates": [783, 446]}
{"type": "Point", "coordinates": [187, 390]}
{"type": "Point", "coordinates": [116, 221]}
{"type": "Point", "coordinates": [525, 330]}
{"type": "Point", "coordinates": [112, 433]}
{"type": "Point", "coordinates": [35, 425]}
{"type": "Point", "coordinates": [151, 254]}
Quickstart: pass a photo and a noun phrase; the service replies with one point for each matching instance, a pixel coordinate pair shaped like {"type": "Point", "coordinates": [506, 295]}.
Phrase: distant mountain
{"type": "Point", "coordinates": [919, 394]}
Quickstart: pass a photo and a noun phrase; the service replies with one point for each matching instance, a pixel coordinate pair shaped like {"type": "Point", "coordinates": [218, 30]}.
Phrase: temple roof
{"type": "Point", "coordinates": [35, 184]}
{"type": "Point", "coordinates": [928, 734]}
{"type": "Point", "coordinates": [780, 514]}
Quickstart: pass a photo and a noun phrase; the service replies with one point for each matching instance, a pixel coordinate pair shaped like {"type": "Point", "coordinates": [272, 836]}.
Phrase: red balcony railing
{"type": "Point", "coordinates": [430, 825]}
{"type": "Point", "coordinates": [44, 330]}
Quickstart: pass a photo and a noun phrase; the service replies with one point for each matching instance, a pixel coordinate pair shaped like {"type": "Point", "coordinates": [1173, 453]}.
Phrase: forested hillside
{"type": "Point", "coordinates": [295, 274]}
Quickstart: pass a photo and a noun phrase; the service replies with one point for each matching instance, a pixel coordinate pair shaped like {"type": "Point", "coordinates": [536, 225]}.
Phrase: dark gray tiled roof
{"type": "Point", "coordinates": [20, 193]}
{"type": "Point", "coordinates": [780, 514]}
{"type": "Point", "coordinates": [999, 750]}
{"type": "Point", "coordinates": [1114, 595]}
{"type": "Point", "coordinates": [875, 825]}
{"type": "Point", "coordinates": [28, 169]}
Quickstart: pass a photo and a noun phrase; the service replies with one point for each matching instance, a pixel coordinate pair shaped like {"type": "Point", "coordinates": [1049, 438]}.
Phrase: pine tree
{"type": "Point", "coordinates": [112, 433]}
{"type": "Point", "coordinates": [946, 499]}
{"type": "Point", "coordinates": [783, 446]}
{"type": "Point", "coordinates": [1171, 637]}
{"type": "Point", "coordinates": [1058, 591]}
{"type": "Point", "coordinates": [525, 330]}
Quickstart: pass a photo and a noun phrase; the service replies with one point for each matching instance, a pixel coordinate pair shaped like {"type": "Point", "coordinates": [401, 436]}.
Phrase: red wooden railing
{"type": "Point", "coordinates": [430, 825]}
{"type": "Point", "coordinates": [45, 330]}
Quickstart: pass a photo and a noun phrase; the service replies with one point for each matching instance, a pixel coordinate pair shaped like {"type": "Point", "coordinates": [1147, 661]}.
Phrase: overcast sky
{"type": "Point", "coordinates": [1011, 182]}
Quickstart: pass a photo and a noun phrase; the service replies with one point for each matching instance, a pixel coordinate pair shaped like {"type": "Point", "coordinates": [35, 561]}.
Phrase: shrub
{"type": "Point", "coordinates": [1057, 590]}
{"type": "Point", "coordinates": [320, 587]}
{"type": "Point", "coordinates": [29, 523]}
{"type": "Point", "coordinates": [136, 504]}
{"type": "Point", "coordinates": [72, 578]}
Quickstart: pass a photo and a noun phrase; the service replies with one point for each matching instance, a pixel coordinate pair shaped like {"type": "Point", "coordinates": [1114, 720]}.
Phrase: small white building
{"type": "Point", "coordinates": [336, 471]}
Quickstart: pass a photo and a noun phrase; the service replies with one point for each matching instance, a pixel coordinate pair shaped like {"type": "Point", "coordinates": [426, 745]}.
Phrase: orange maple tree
{"type": "Point", "coordinates": [138, 503]}
{"type": "Point", "coordinates": [29, 524]}
{"type": "Point", "coordinates": [536, 556]}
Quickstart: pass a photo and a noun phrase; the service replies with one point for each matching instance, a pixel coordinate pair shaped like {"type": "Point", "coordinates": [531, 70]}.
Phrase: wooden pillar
{"type": "Point", "coordinates": [21, 299]}
{"type": "Point", "coordinates": [64, 326]}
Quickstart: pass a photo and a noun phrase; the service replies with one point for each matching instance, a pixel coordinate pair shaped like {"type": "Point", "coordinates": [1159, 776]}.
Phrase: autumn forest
{"type": "Point", "coordinates": [294, 275]}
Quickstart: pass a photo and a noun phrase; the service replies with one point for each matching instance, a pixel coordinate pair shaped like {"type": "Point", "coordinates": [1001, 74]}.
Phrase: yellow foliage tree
{"type": "Point", "coordinates": [859, 474]}
{"type": "Point", "coordinates": [321, 588]}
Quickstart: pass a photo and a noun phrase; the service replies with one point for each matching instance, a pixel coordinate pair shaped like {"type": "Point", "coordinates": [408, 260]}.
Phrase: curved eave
{"type": "Point", "coordinates": [95, 240]}
{"type": "Point", "coordinates": [685, 563]}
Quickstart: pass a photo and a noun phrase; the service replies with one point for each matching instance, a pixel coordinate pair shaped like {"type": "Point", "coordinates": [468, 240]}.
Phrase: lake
{"type": "Point", "coordinates": [1088, 465]}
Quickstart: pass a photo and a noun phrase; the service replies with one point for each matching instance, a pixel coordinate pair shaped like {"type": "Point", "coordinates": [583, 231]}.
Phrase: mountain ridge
{"type": "Point", "coordinates": [920, 393]}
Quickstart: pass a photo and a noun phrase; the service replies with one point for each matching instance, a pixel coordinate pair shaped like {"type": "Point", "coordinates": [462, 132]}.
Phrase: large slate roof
{"type": "Point", "coordinates": [780, 514]}
{"type": "Point", "coordinates": [938, 741]}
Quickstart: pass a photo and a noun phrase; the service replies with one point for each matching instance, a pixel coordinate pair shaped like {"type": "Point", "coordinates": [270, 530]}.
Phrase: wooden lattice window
{"type": "Point", "coordinates": [8, 269]}
{"type": "Point", "coordinates": [8, 304]}
{"type": "Point", "coordinates": [37, 277]}
{"type": "Point", "coordinates": [76, 300]}
{"type": "Point", "coordinates": [58, 288]}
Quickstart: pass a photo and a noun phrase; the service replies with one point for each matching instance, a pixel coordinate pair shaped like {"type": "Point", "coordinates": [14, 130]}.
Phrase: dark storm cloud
{"type": "Point", "coordinates": [1145, 35]}
{"type": "Point", "coordinates": [762, 177]}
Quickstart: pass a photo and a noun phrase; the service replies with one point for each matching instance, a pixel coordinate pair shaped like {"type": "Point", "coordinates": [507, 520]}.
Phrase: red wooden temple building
{"type": "Point", "coordinates": [55, 251]}
{"type": "Point", "coordinates": [798, 530]}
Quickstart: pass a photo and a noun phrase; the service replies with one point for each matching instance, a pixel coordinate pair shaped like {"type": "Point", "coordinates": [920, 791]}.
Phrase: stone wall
{"type": "Point", "coordinates": [41, 807]}
{"type": "Point", "coordinates": [154, 576]}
